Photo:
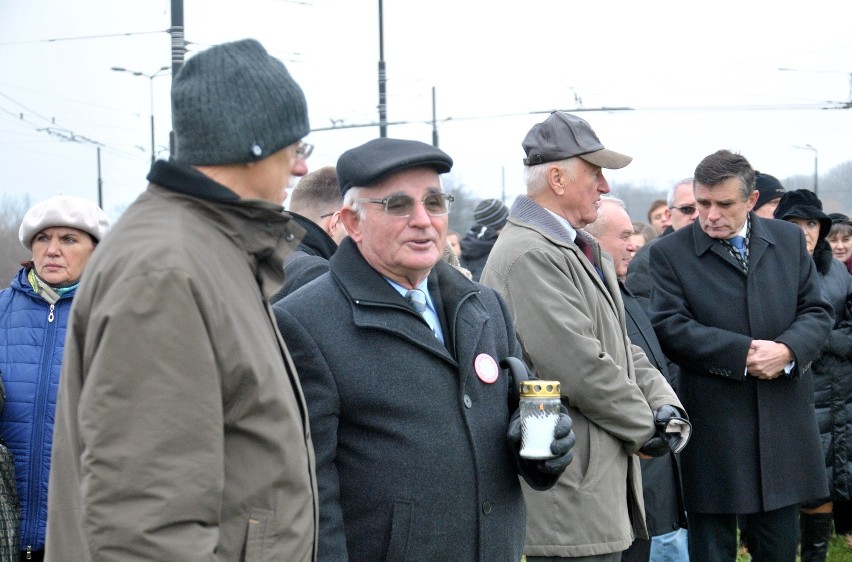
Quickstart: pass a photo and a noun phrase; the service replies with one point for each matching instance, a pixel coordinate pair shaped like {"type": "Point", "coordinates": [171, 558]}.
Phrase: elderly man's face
{"type": "Point", "coordinates": [722, 209]}
{"type": "Point", "coordinates": [616, 238]}
{"type": "Point", "coordinates": [580, 201]}
{"type": "Point", "coordinates": [403, 249]}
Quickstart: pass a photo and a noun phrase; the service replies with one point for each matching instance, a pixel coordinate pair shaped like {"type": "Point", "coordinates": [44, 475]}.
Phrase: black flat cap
{"type": "Point", "coordinates": [369, 163]}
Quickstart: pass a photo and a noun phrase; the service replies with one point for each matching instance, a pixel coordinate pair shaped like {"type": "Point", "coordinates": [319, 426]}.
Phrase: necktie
{"type": "Point", "coordinates": [738, 242]}
{"type": "Point", "coordinates": [585, 248]}
{"type": "Point", "coordinates": [417, 300]}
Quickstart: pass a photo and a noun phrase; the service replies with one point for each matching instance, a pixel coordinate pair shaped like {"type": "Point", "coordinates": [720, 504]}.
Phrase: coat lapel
{"type": "Point", "coordinates": [378, 306]}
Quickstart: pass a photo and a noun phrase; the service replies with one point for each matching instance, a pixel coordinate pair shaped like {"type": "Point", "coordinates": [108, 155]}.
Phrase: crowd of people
{"type": "Point", "coordinates": [340, 381]}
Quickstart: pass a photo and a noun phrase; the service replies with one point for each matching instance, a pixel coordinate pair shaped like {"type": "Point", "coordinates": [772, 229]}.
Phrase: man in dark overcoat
{"type": "Point", "coordinates": [661, 490]}
{"type": "Point", "coordinates": [409, 404]}
{"type": "Point", "coordinates": [737, 305]}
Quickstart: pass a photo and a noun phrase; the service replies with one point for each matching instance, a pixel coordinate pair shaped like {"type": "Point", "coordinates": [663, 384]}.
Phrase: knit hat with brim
{"type": "Point", "coordinates": [234, 103]}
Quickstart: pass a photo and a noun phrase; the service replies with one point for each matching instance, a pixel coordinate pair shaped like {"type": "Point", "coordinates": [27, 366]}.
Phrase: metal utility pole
{"type": "Point", "coordinates": [816, 165]}
{"type": "Point", "coordinates": [383, 116]}
{"type": "Point", "coordinates": [434, 121]}
{"type": "Point", "coordinates": [100, 182]}
{"type": "Point", "coordinates": [178, 51]}
{"type": "Point", "coordinates": [150, 78]}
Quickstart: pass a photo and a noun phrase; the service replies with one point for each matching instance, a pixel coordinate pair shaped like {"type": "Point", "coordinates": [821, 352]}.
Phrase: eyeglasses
{"type": "Point", "coordinates": [304, 150]}
{"type": "Point", "coordinates": [685, 209]}
{"type": "Point", "coordinates": [401, 205]}
{"type": "Point", "coordinates": [327, 215]}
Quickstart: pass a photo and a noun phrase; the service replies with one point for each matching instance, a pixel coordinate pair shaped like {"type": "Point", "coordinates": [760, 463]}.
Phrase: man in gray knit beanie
{"type": "Point", "coordinates": [176, 372]}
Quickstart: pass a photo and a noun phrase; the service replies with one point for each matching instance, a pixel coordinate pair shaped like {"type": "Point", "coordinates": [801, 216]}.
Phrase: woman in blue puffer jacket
{"type": "Point", "coordinates": [61, 232]}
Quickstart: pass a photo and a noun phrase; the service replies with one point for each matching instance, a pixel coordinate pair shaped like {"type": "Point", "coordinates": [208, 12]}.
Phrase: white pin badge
{"type": "Point", "coordinates": [486, 368]}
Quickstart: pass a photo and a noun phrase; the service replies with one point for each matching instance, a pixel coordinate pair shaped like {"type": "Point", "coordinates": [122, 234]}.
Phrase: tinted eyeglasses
{"type": "Point", "coordinates": [685, 209]}
{"type": "Point", "coordinates": [304, 150]}
{"type": "Point", "coordinates": [401, 205]}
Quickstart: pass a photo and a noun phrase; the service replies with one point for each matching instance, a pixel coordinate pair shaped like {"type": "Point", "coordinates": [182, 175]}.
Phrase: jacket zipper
{"type": "Point", "coordinates": [38, 430]}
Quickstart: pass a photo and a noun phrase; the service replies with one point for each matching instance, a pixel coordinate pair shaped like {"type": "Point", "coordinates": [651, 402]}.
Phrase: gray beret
{"type": "Point", "coordinates": [369, 163]}
{"type": "Point", "coordinates": [63, 210]}
{"type": "Point", "coordinates": [234, 103]}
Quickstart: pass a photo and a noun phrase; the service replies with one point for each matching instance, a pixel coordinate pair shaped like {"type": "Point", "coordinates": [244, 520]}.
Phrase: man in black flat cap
{"type": "Point", "coordinates": [564, 296]}
{"type": "Point", "coordinates": [399, 356]}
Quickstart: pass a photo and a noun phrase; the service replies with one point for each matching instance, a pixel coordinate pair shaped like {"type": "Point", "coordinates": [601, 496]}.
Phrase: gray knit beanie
{"type": "Point", "coordinates": [491, 213]}
{"type": "Point", "coordinates": [234, 103]}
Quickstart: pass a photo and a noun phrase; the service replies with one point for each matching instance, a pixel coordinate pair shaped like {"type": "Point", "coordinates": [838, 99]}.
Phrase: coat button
{"type": "Point", "coordinates": [467, 401]}
{"type": "Point", "coordinates": [486, 508]}
{"type": "Point", "coordinates": [289, 237]}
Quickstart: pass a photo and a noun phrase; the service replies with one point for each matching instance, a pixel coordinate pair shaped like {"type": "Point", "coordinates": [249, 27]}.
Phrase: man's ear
{"type": "Point", "coordinates": [352, 222]}
{"type": "Point", "coordinates": [556, 179]}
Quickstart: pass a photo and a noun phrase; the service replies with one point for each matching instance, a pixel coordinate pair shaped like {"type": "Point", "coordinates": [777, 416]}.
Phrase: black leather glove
{"type": "Point", "coordinates": [672, 433]}
{"type": "Point", "coordinates": [561, 446]}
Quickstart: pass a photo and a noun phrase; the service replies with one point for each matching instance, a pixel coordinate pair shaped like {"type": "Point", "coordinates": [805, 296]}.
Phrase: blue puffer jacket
{"type": "Point", "coordinates": [32, 338]}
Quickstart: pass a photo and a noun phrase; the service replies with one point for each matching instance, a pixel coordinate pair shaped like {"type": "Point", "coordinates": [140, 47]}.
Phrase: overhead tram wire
{"type": "Point", "coordinates": [82, 38]}
{"type": "Point", "coordinates": [828, 105]}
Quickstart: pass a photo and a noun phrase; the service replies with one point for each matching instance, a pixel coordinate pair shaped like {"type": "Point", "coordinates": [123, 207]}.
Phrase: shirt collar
{"type": "Point", "coordinates": [571, 230]}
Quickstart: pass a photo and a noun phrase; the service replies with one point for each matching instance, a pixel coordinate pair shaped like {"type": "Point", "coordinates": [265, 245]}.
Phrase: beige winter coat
{"type": "Point", "coordinates": [572, 329]}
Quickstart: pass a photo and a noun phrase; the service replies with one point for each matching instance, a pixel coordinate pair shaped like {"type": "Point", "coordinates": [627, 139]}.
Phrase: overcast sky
{"type": "Point", "coordinates": [699, 76]}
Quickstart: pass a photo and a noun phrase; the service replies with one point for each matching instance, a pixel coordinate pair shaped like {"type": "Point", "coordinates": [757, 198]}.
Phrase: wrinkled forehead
{"type": "Point", "coordinates": [410, 181]}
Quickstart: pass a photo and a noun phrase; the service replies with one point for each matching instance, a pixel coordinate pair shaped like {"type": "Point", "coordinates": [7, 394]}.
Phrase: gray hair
{"type": "Point", "coordinates": [535, 176]}
{"type": "Point", "coordinates": [597, 228]}
{"type": "Point", "coordinates": [673, 191]}
{"type": "Point", "coordinates": [349, 201]}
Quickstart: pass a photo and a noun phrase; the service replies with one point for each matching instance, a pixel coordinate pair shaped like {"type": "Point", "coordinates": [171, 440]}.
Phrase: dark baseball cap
{"type": "Point", "coordinates": [562, 136]}
{"type": "Point", "coordinates": [373, 161]}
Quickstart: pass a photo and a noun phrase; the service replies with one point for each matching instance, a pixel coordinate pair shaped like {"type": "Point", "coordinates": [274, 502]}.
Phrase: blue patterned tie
{"type": "Point", "coordinates": [738, 242]}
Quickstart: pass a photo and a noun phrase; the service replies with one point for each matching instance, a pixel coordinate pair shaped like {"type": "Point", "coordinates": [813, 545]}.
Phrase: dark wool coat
{"type": "Point", "coordinates": [755, 445]}
{"type": "Point", "coordinates": [309, 261]}
{"type": "Point", "coordinates": [412, 457]}
{"type": "Point", "coordinates": [661, 488]}
{"type": "Point", "coordinates": [833, 376]}
{"type": "Point", "coordinates": [475, 247]}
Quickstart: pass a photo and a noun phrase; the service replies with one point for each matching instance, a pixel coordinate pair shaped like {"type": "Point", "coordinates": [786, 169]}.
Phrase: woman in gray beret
{"type": "Point", "coordinates": [61, 232]}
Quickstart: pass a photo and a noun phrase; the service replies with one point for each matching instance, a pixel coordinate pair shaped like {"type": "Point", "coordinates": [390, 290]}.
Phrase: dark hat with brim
{"type": "Point", "coordinates": [562, 136]}
{"type": "Point", "coordinates": [803, 204]}
{"type": "Point", "coordinates": [373, 161]}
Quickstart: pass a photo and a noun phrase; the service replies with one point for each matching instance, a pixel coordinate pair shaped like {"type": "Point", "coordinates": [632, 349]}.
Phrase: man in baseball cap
{"type": "Point", "coordinates": [568, 311]}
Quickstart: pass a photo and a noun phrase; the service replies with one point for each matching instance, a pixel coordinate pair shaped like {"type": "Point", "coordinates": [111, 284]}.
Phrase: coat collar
{"type": "Point", "coordinates": [316, 241]}
{"type": "Point", "coordinates": [378, 305]}
{"type": "Point", "coordinates": [527, 213]}
{"type": "Point", "coordinates": [760, 238]}
{"type": "Point", "coordinates": [262, 229]}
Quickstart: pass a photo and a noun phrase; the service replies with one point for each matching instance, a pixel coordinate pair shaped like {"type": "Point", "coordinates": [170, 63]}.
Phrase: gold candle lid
{"type": "Point", "coordinates": [540, 389]}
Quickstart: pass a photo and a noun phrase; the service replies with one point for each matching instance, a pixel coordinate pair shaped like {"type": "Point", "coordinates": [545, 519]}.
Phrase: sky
{"type": "Point", "coordinates": [753, 77]}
